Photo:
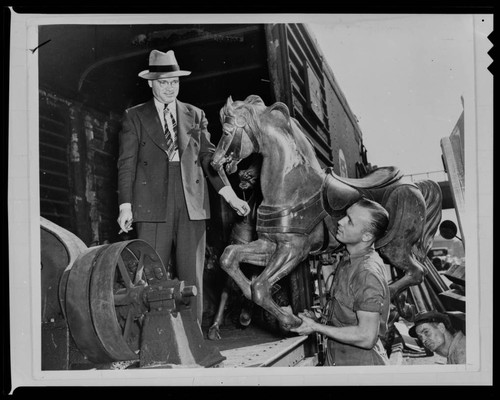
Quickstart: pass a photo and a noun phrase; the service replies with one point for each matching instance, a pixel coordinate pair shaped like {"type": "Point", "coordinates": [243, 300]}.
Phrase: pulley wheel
{"type": "Point", "coordinates": [104, 298]}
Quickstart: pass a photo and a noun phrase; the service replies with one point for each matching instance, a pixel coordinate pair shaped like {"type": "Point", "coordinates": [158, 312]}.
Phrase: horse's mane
{"type": "Point", "coordinates": [295, 132]}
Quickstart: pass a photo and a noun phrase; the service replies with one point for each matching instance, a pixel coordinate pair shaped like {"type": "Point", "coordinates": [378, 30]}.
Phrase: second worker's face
{"type": "Point", "coordinates": [352, 228]}
{"type": "Point", "coordinates": [165, 90]}
{"type": "Point", "coordinates": [430, 335]}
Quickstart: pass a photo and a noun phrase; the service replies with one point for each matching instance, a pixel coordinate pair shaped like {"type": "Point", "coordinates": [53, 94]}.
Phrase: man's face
{"type": "Point", "coordinates": [165, 90]}
{"type": "Point", "coordinates": [352, 228]}
{"type": "Point", "coordinates": [430, 335]}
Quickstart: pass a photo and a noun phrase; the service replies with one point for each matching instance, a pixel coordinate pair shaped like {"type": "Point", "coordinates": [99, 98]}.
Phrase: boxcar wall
{"type": "Point", "coordinates": [78, 175]}
{"type": "Point", "coordinates": [302, 79]}
{"type": "Point", "coordinates": [88, 77]}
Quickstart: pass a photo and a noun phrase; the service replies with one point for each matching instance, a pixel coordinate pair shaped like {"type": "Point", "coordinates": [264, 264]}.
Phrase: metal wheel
{"type": "Point", "coordinates": [105, 293]}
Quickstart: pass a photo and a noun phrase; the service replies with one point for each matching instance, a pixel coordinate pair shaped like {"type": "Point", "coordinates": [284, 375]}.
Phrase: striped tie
{"type": "Point", "coordinates": [170, 134]}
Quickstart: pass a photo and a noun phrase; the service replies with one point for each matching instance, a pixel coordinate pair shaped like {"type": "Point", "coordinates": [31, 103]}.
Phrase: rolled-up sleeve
{"type": "Point", "coordinates": [369, 292]}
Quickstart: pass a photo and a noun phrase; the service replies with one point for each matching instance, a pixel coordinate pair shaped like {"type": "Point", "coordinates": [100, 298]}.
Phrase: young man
{"type": "Point", "coordinates": [165, 152]}
{"type": "Point", "coordinates": [437, 334]}
{"type": "Point", "coordinates": [358, 308]}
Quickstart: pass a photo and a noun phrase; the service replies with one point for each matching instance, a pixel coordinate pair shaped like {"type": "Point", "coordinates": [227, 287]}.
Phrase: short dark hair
{"type": "Point", "coordinates": [380, 217]}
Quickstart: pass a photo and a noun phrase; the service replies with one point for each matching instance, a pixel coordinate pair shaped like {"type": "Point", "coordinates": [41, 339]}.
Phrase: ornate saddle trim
{"type": "Point", "coordinates": [271, 212]}
{"type": "Point", "coordinates": [301, 218]}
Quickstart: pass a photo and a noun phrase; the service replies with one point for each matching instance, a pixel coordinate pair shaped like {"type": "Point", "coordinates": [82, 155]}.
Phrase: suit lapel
{"type": "Point", "coordinates": [153, 125]}
{"type": "Point", "coordinates": [185, 122]}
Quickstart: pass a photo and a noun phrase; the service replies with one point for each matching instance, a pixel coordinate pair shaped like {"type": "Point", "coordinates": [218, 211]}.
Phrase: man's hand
{"type": "Point", "coordinates": [125, 219]}
{"type": "Point", "coordinates": [240, 206]}
{"type": "Point", "coordinates": [308, 324]}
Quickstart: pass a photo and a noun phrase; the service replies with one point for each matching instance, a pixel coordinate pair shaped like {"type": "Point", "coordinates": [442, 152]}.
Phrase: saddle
{"type": "Point", "coordinates": [340, 193]}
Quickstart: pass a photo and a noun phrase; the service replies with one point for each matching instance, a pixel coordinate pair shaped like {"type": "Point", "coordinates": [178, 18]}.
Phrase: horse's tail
{"type": "Point", "coordinates": [433, 200]}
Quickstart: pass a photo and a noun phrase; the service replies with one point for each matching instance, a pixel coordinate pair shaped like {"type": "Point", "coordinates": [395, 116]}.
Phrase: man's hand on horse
{"type": "Point", "coordinates": [240, 206]}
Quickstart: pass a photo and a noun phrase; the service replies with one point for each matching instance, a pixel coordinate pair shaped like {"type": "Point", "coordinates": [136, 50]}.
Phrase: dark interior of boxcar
{"type": "Point", "coordinates": [88, 77]}
{"type": "Point", "coordinates": [96, 67]}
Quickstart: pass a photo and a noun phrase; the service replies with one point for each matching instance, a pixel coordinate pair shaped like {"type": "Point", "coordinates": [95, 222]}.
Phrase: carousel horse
{"type": "Point", "coordinates": [302, 203]}
{"type": "Point", "coordinates": [243, 231]}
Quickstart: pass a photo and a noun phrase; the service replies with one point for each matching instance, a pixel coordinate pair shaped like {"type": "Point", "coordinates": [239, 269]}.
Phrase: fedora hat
{"type": "Point", "coordinates": [162, 65]}
{"type": "Point", "coordinates": [429, 316]}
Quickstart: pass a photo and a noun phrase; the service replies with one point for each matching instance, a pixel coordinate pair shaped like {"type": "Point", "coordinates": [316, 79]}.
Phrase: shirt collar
{"type": "Point", "coordinates": [160, 106]}
{"type": "Point", "coordinates": [360, 254]}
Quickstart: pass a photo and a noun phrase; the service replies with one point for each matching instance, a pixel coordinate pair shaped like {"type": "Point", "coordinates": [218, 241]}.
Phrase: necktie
{"type": "Point", "coordinates": [170, 132]}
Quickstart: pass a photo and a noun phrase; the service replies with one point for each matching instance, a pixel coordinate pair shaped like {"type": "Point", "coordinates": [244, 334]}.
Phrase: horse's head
{"type": "Point", "coordinates": [239, 132]}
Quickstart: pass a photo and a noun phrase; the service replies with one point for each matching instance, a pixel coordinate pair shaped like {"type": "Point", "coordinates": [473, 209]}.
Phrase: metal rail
{"type": "Point", "coordinates": [287, 352]}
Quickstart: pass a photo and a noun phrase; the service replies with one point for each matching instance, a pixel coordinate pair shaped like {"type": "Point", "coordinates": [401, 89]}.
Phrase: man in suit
{"type": "Point", "coordinates": [164, 155]}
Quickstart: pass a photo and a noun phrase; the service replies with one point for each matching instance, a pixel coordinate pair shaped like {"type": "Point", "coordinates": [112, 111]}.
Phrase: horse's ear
{"type": "Point", "coordinates": [229, 106]}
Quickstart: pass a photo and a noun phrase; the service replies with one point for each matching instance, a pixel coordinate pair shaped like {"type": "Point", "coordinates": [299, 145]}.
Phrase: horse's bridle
{"type": "Point", "coordinates": [237, 135]}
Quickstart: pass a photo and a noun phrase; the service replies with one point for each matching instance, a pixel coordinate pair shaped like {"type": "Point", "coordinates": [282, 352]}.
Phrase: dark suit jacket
{"type": "Point", "coordinates": [143, 162]}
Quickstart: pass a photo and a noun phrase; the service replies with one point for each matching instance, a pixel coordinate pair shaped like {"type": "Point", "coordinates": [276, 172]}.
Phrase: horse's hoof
{"type": "Point", "coordinates": [214, 334]}
{"type": "Point", "coordinates": [290, 321]}
{"type": "Point", "coordinates": [296, 322]}
{"type": "Point", "coordinates": [286, 326]}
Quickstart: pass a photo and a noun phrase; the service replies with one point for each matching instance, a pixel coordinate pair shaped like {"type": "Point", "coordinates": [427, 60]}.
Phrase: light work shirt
{"type": "Point", "coordinates": [359, 285]}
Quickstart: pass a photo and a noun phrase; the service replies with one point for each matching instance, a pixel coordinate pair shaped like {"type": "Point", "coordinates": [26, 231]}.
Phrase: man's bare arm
{"type": "Point", "coordinates": [364, 334]}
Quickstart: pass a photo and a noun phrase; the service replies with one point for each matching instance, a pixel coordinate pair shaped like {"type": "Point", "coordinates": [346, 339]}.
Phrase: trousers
{"type": "Point", "coordinates": [180, 242]}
